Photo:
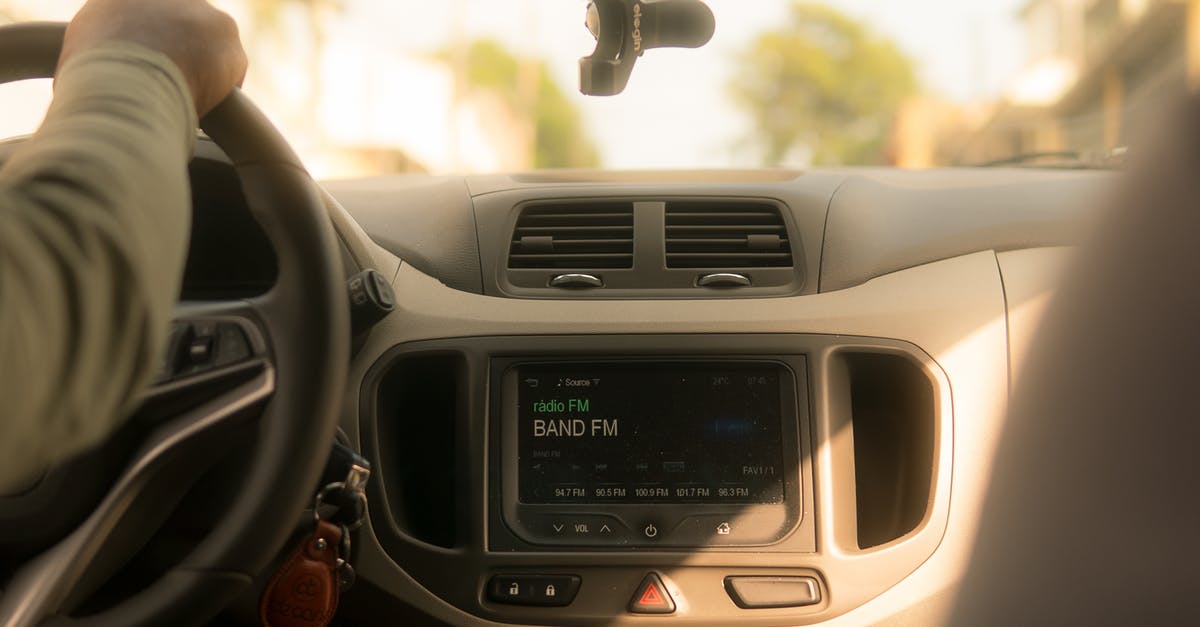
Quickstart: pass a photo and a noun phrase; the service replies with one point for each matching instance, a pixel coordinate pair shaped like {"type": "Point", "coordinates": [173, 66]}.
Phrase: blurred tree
{"type": "Point", "coordinates": [267, 12]}
{"type": "Point", "coordinates": [559, 137]}
{"type": "Point", "coordinates": [824, 84]}
{"type": "Point", "coordinates": [268, 16]}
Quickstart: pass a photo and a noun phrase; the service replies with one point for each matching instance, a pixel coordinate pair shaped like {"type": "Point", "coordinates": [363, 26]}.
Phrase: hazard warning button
{"type": "Point", "coordinates": [652, 597]}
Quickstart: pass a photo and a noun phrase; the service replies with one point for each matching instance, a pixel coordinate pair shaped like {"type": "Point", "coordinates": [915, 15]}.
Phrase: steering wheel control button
{"type": "Point", "coordinates": [232, 345]}
{"type": "Point", "coordinates": [199, 346]}
{"type": "Point", "coordinates": [371, 299]}
{"type": "Point", "coordinates": [753, 593]}
{"type": "Point", "coordinates": [652, 597]}
{"type": "Point", "coordinates": [534, 590]}
{"type": "Point", "coordinates": [200, 351]}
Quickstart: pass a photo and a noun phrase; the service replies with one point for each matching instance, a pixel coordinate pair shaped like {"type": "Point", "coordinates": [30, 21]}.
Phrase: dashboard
{"type": "Point", "coordinates": [726, 398]}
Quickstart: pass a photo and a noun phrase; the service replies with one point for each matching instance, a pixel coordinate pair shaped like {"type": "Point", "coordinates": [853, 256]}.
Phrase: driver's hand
{"type": "Point", "coordinates": [200, 39]}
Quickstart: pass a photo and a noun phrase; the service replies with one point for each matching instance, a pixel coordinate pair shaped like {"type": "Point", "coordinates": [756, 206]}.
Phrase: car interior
{"type": "Point", "coordinates": [741, 397]}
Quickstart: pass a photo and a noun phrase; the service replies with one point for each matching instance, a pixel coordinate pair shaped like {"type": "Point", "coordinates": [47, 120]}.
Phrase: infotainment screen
{"type": "Point", "coordinates": [650, 432]}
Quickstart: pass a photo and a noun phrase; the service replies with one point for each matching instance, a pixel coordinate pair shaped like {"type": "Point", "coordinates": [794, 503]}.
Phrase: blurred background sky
{"type": "Point", "coordinates": [365, 86]}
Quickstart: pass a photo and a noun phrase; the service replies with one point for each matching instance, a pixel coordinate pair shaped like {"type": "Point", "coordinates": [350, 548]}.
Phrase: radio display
{"type": "Point", "coordinates": [650, 432]}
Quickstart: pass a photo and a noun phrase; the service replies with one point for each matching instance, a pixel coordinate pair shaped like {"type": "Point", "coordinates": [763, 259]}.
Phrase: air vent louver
{"type": "Point", "coordinates": [720, 235]}
{"type": "Point", "coordinates": [573, 236]}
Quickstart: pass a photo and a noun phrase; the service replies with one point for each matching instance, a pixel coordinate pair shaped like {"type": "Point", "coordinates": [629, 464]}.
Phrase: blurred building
{"type": "Point", "coordinates": [929, 132]}
{"type": "Point", "coordinates": [1098, 70]}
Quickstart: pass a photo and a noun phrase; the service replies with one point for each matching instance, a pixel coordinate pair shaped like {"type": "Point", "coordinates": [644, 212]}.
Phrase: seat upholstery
{"type": "Point", "coordinates": [1093, 517]}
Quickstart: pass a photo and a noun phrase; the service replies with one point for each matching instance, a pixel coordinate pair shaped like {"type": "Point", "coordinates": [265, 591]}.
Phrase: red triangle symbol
{"type": "Point", "coordinates": [651, 596]}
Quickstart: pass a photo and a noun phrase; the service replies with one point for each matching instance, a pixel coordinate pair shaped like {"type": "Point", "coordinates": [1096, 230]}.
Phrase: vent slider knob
{"type": "Point", "coordinates": [537, 243]}
{"type": "Point", "coordinates": [723, 279]}
{"type": "Point", "coordinates": [764, 242]}
{"type": "Point", "coordinates": [576, 280]}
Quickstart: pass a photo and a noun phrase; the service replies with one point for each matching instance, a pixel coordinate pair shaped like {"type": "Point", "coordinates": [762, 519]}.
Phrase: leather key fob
{"type": "Point", "coordinates": [304, 593]}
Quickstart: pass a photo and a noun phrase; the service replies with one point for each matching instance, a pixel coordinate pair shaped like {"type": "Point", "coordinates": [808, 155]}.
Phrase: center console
{"type": "Point", "coordinates": [569, 479]}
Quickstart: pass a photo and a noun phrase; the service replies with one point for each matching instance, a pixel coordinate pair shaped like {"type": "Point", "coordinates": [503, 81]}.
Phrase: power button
{"type": "Point", "coordinates": [651, 531]}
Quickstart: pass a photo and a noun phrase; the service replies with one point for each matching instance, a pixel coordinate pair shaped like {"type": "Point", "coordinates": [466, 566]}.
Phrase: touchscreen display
{"type": "Point", "coordinates": [660, 432]}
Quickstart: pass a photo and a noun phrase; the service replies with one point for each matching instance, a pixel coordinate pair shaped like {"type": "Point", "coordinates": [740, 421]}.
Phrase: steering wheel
{"type": "Point", "coordinates": [287, 386]}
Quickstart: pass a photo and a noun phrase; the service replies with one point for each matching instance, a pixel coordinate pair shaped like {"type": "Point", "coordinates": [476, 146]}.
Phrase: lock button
{"type": "Point", "coordinates": [535, 590]}
{"type": "Point", "coordinates": [510, 589]}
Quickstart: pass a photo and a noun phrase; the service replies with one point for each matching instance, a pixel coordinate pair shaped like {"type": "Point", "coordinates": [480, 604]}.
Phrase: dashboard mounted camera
{"type": "Point", "coordinates": [624, 29]}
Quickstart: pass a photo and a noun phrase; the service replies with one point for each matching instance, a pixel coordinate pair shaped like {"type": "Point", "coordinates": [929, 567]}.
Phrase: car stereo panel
{"type": "Point", "coordinates": [631, 452]}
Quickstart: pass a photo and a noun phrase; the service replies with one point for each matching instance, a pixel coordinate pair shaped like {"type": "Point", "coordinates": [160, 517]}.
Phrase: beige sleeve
{"type": "Point", "coordinates": [94, 214]}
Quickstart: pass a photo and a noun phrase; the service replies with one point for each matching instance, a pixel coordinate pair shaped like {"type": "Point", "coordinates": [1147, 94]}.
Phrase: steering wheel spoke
{"type": "Point", "coordinates": [218, 368]}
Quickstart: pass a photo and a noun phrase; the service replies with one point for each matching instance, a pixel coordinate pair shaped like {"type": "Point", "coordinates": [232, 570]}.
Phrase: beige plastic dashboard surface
{"type": "Point", "coordinates": [1030, 278]}
{"type": "Point", "coordinates": [954, 310]}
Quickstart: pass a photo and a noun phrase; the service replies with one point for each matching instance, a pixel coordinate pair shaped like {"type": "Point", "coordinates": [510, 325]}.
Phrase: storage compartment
{"type": "Point", "coordinates": [894, 421]}
{"type": "Point", "coordinates": [421, 412]}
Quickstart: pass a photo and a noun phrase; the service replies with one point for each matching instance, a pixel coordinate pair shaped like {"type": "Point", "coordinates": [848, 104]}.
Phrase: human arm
{"type": "Point", "coordinates": [94, 216]}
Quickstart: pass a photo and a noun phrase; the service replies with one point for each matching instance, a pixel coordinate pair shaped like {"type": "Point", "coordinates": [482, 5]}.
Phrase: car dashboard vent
{"type": "Point", "coordinates": [718, 235]}
{"type": "Point", "coordinates": [574, 236]}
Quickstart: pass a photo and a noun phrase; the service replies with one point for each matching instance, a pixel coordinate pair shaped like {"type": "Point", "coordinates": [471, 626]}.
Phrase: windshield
{"type": "Point", "coordinates": [365, 87]}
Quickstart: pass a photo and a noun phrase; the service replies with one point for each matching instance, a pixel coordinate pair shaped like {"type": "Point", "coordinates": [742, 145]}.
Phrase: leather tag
{"type": "Point", "coordinates": [304, 593]}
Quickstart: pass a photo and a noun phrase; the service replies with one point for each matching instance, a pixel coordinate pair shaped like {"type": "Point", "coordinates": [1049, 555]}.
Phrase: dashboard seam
{"type": "Point", "coordinates": [1007, 330]}
{"type": "Point", "coordinates": [478, 236]}
{"type": "Point", "coordinates": [825, 233]}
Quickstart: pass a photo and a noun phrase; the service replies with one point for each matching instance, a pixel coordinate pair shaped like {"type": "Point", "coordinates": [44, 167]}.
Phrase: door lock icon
{"type": "Point", "coordinates": [550, 591]}
{"type": "Point", "coordinates": [514, 589]}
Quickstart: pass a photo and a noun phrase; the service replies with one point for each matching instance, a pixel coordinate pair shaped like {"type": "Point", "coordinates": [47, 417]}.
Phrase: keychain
{"type": "Point", "coordinates": [305, 590]}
